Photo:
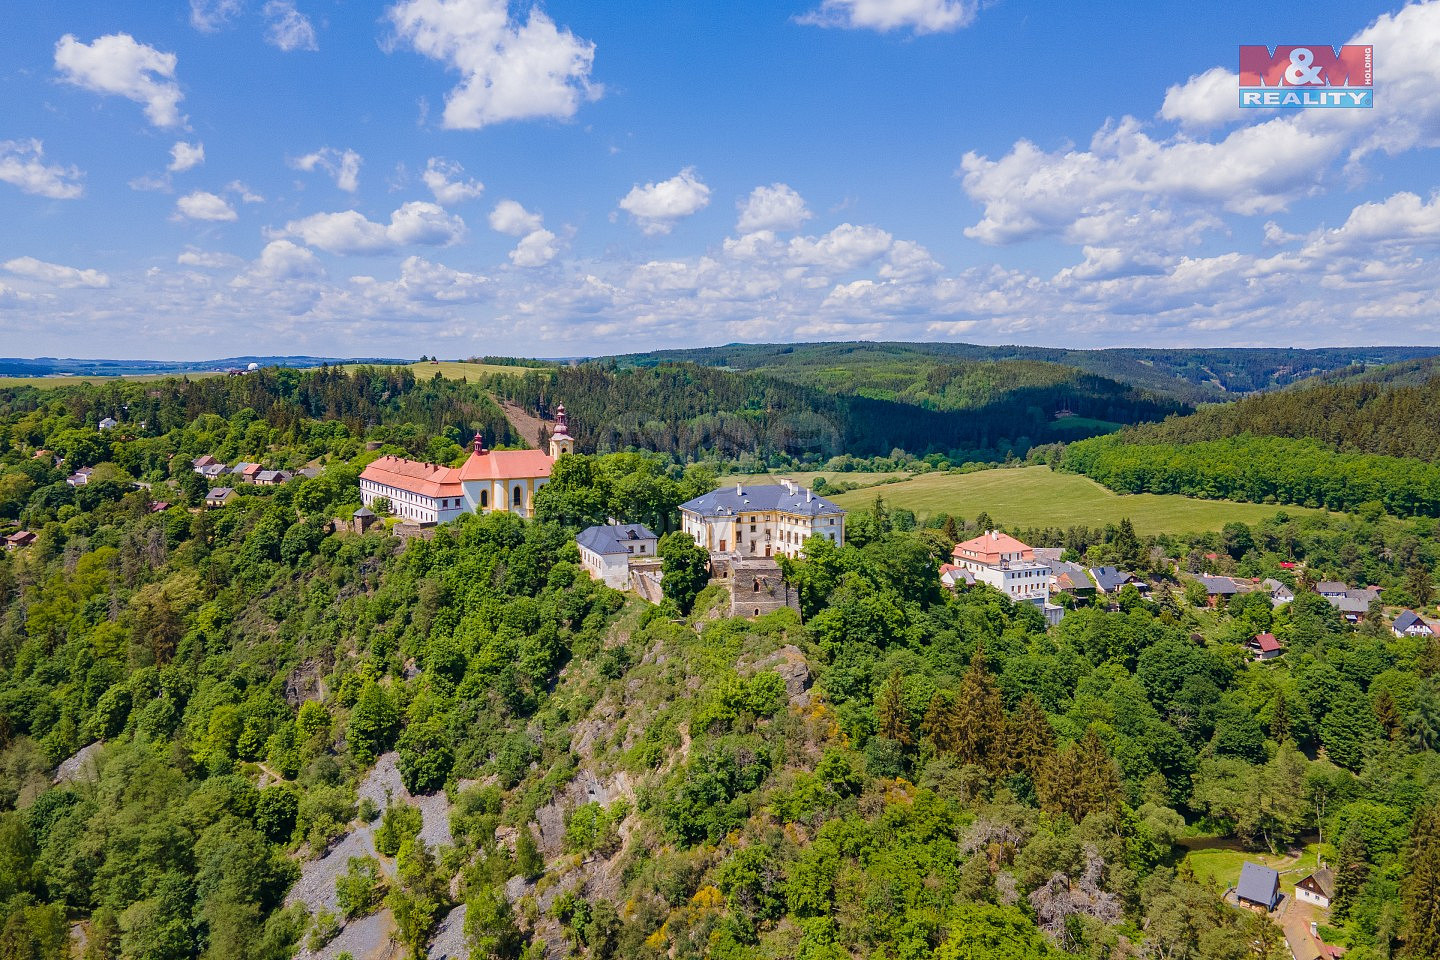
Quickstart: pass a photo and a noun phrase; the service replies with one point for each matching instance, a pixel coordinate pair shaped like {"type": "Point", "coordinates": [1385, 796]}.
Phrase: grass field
{"type": "Point", "coordinates": [1036, 496]}
{"type": "Point", "coordinates": [53, 382]}
{"type": "Point", "coordinates": [806, 477]}
{"type": "Point", "coordinates": [1222, 867]}
{"type": "Point", "coordinates": [455, 370]}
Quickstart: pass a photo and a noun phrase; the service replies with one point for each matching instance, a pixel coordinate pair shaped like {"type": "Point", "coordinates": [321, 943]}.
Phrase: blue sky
{"type": "Point", "coordinates": [456, 177]}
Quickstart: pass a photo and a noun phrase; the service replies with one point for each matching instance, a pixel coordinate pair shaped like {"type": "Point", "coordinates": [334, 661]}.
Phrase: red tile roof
{"type": "Point", "coordinates": [988, 547]}
{"type": "Point", "coordinates": [1266, 642]}
{"type": "Point", "coordinates": [506, 465]}
{"type": "Point", "coordinates": [425, 479]}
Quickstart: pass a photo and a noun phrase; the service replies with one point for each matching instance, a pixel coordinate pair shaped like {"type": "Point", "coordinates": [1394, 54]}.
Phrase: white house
{"type": "Point", "coordinates": [1007, 565]}
{"type": "Point", "coordinates": [489, 480]}
{"type": "Point", "coordinates": [761, 521]}
{"type": "Point", "coordinates": [1409, 624]}
{"type": "Point", "coordinates": [1318, 888]}
{"type": "Point", "coordinates": [606, 551]}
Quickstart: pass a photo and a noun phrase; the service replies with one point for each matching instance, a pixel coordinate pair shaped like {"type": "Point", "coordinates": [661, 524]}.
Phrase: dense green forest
{"type": "Point", "coordinates": [198, 710]}
{"type": "Point", "coordinates": [1192, 375]}
{"type": "Point", "coordinates": [1337, 445]}
{"type": "Point", "coordinates": [1395, 418]}
{"type": "Point", "coordinates": [1261, 470]}
{"type": "Point", "coordinates": [693, 411]}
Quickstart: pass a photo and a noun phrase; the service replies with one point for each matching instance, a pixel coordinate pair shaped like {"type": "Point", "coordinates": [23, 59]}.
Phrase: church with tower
{"type": "Point", "coordinates": [488, 480]}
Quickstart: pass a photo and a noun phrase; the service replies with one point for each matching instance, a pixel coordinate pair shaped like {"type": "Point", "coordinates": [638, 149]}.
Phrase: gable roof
{"type": "Point", "coordinates": [1218, 584]}
{"type": "Point", "coordinates": [728, 501]}
{"type": "Point", "coordinates": [609, 539]}
{"type": "Point", "coordinates": [1407, 620]}
{"type": "Point", "coordinates": [1258, 884]}
{"type": "Point", "coordinates": [412, 476]}
{"type": "Point", "coordinates": [1110, 578]}
{"type": "Point", "coordinates": [1266, 642]}
{"type": "Point", "coordinates": [506, 465]}
{"type": "Point", "coordinates": [1322, 881]}
{"type": "Point", "coordinates": [1330, 586]}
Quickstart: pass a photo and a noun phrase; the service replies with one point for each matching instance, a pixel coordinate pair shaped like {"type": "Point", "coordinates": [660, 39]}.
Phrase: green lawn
{"type": "Point", "coordinates": [456, 370]}
{"type": "Point", "coordinates": [806, 477]}
{"type": "Point", "coordinates": [1222, 867]}
{"type": "Point", "coordinates": [63, 381]}
{"type": "Point", "coordinates": [1037, 496]}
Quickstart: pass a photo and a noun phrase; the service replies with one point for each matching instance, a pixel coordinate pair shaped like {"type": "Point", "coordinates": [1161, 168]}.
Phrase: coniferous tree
{"type": "Point", "coordinates": [1421, 886]}
{"type": "Point", "coordinates": [1031, 738]}
{"type": "Point", "coordinates": [891, 712]}
{"type": "Point", "coordinates": [941, 723]}
{"type": "Point", "coordinates": [980, 719]}
{"type": "Point", "coordinates": [1350, 873]}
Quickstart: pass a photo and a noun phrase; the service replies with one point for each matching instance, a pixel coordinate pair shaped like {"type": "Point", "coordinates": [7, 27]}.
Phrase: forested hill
{"type": "Point", "coordinates": [1396, 420]}
{"type": "Point", "coordinates": [1192, 375]}
{"type": "Point", "coordinates": [686, 409]}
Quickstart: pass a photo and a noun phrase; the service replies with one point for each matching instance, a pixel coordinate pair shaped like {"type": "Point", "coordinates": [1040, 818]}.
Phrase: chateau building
{"type": "Point", "coordinates": [489, 480]}
{"type": "Point", "coordinates": [761, 521]}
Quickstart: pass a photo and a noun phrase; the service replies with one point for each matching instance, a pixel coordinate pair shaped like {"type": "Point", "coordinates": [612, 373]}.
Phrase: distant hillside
{"type": "Point", "coordinates": [1394, 419]}
{"type": "Point", "coordinates": [53, 366]}
{"type": "Point", "coordinates": [687, 409]}
{"type": "Point", "coordinates": [1191, 375]}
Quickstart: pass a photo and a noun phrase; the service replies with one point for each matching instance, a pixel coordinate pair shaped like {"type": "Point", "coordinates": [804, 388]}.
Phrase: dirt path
{"type": "Point", "coordinates": [525, 424]}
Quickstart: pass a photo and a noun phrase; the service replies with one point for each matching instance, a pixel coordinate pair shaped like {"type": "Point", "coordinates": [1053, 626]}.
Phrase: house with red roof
{"type": "Point", "coordinates": [488, 480]}
{"type": "Point", "coordinates": [1264, 646]}
{"type": "Point", "coordinates": [1006, 564]}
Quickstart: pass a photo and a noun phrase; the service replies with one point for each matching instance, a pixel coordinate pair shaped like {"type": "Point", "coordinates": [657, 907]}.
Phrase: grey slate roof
{"type": "Point", "coordinates": [1407, 620]}
{"type": "Point", "coordinates": [1109, 578]}
{"type": "Point", "coordinates": [727, 502]}
{"type": "Point", "coordinates": [1222, 585]}
{"type": "Point", "coordinates": [1258, 884]}
{"type": "Point", "coordinates": [364, 512]}
{"type": "Point", "coordinates": [1330, 586]}
{"type": "Point", "coordinates": [218, 492]}
{"type": "Point", "coordinates": [610, 539]}
{"type": "Point", "coordinates": [1050, 555]}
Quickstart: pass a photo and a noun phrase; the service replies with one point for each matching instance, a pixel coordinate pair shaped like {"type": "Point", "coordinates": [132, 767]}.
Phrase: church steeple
{"type": "Point", "coordinates": [560, 439]}
{"type": "Point", "coordinates": [478, 444]}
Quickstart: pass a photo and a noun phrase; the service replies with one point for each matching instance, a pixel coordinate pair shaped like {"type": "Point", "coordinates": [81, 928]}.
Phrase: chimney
{"type": "Point", "coordinates": [738, 491]}
{"type": "Point", "coordinates": [808, 494]}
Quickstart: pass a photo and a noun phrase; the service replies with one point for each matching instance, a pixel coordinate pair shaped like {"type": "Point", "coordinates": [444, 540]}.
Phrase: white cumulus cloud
{"type": "Point", "coordinates": [843, 249]}
{"type": "Point", "coordinates": [281, 261]}
{"type": "Point", "coordinates": [56, 274]}
{"type": "Point", "coordinates": [776, 207]}
{"type": "Point", "coordinates": [423, 282]}
{"type": "Point", "coordinates": [351, 233]}
{"type": "Point", "coordinates": [186, 156]}
{"type": "Point", "coordinates": [920, 16]}
{"type": "Point", "coordinates": [22, 163]}
{"type": "Point", "coordinates": [1205, 100]}
{"type": "Point", "coordinates": [117, 64]}
{"type": "Point", "coordinates": [342, 165]}
{"type": "Point", "coordinates": [656, 207]}
{"type": "Point", "coordinates": [446, 180]}
{"type": "Point", "coordinates": [202, 205]}
{"type": "Point", "coordinates": [512, 218]}
{"type": "Point", "coordinates": [287, 28]}
{"type": "Point", "coordinates": [510, 70]}
{"type": "Point", "coordinates": [535, 249]}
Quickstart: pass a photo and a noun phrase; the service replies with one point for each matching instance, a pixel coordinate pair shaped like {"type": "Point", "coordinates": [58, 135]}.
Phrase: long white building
{"type": "Point", "coordinates": [489, 480]}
